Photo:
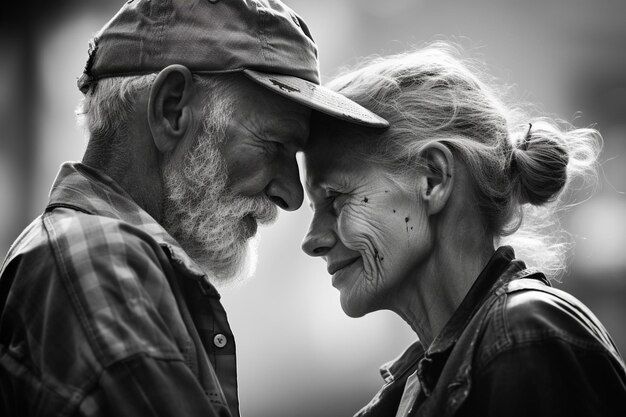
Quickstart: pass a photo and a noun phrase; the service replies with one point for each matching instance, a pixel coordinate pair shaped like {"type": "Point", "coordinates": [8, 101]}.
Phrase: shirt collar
{"type": "Point", "coordinates": [400, 367]}
{"type": "Point", "coordinates": [86, 189]}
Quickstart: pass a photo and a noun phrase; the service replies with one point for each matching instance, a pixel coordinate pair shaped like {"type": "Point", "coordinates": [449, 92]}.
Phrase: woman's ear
{"type": "Point", "coordinates": [438, 176]}
{"type": "Point", "coordinates": [170, 107]}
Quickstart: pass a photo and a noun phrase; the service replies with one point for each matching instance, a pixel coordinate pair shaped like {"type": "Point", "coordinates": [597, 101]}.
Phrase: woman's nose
{"type": "Point", "coordinates": [319, 240]}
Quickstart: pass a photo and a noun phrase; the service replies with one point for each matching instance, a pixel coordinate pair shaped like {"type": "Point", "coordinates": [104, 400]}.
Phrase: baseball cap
{"type": "Point", "coordinates": [263, 39]}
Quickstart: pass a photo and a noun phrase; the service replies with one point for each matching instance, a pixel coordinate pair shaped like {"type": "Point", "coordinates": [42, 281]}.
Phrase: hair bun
{"type": "Point", "coordinates": [539, 166]}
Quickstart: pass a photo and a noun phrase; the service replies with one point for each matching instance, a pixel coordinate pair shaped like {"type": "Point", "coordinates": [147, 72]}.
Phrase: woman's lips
{"type": "Point", "coordinates": [334, 267]}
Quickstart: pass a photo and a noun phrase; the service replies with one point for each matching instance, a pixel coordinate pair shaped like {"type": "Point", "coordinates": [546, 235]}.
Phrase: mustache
{"type": "Point", "coordinates": [261, 208]}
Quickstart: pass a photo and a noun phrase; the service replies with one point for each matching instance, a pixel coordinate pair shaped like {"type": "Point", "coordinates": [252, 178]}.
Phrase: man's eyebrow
{"type": "Point", "coordinates": [298, 139]}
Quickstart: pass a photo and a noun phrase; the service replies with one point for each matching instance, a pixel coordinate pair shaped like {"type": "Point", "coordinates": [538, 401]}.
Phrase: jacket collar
{"type": "Point", "coordinates": [86, 189]}
{"type": "Point", "coordinates": [502, 267]}
{"type": "Point", "coordinates": [500, 262]}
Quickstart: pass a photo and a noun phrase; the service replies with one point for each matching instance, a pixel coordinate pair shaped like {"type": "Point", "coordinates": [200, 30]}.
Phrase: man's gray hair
{"type": "Point", "coordinates": [104, 110]}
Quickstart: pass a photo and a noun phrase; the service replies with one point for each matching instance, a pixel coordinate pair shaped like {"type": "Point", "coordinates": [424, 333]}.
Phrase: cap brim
{"type": "Point", "coordinates": [317, 98]}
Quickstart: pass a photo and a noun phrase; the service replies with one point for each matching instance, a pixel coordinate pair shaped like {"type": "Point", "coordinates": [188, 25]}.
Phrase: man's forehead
{"type": "Point", "coordinates": [268, 119]}
{"type": "Point", "coordinates": [294, 126]}
{"type": "Point", "coordinates": [286, 115]}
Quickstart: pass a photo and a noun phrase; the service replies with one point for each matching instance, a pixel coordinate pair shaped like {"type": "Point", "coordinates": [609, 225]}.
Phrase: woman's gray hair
{"type": "Point", "coordinates": [520, 165]}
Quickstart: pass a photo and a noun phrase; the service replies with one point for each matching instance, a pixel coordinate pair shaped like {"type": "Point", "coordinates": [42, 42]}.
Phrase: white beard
{"type": "Point", "coordinates": [205, 217]}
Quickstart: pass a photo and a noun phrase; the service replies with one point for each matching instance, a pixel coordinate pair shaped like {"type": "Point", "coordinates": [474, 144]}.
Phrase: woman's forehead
{"type": "Point", "coordinates": [336, 149]}
{"type": "Point", "coordinates": [332, 150]}
{"type": "Point", "coordinates": [332, 137]}
{"type": "Point", "coordinates": [321, 162]}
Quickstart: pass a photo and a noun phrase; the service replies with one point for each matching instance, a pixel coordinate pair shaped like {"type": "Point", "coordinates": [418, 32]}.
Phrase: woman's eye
{"type": "Point", "coordinates": [336, 200]}
{"type": "Point", "coordinates": [331, 195]}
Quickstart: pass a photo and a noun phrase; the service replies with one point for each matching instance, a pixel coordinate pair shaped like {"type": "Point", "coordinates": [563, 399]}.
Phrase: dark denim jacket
{"type": "Point", "coordinates": [514, 347]}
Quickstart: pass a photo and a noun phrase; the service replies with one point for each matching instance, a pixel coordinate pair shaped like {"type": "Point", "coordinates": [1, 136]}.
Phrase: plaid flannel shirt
{"type": "Point", "coordinates": [103, 313]}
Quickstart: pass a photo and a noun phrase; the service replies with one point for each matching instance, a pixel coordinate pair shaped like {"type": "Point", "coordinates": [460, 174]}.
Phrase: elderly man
{"type": "Point", "coordinates": [195, 111]}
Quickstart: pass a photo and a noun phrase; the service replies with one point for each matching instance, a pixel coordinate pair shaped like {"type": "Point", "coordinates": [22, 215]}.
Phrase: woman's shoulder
{"type": "Point", "coordinates": [529, 313]}
{"type": "Point", "coordinates": [535, 310]}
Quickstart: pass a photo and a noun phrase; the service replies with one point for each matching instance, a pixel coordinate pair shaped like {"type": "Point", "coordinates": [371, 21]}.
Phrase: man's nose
{"type": "Point", "coordinates": [285, 190]}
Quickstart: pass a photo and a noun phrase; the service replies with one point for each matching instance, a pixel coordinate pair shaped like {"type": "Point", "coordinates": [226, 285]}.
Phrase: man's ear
{"type": "Point", "coordinates": [438, 176]}
{"type": "Point", "coordinates": [170, 107]}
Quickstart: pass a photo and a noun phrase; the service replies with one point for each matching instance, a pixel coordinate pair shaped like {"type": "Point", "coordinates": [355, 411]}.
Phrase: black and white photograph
{"type": "Point", "coordinates": [291, 208]}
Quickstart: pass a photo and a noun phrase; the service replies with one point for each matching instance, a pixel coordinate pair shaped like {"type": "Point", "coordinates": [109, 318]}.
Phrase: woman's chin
{"type": "Point", "coordinates": [353, 309]}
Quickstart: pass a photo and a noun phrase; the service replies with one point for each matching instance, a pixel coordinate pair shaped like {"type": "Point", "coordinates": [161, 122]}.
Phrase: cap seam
{"type": "Point", "coordinates": [163, 16]}
{"type": "Point", "coordinates": [263, 20]}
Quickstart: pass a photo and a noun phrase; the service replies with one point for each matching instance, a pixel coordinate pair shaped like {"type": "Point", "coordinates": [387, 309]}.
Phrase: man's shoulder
{"type": "Point", "coordinates": [73, 242]}
{"type": "Point", "coordinates": [76, 225]}
{"type": "Point", "coordinates": [31, 248]}
{"type": "Point", "coordinates": [103, 278]}
{"type": "Point", "coordinates": [81, 237]}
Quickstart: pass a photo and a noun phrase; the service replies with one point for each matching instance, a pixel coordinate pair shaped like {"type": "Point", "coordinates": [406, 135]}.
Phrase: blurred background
{"type": "Point", "coordinates": [298, 354]}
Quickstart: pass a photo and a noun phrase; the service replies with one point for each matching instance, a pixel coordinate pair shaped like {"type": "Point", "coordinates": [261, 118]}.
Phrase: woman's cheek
{"type": "Point", "coordinates": [363, 233]}
{"type": "Point", "coordinates": [355, 227]}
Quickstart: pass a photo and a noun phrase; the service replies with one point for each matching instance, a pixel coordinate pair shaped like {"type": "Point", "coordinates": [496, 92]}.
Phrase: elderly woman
{"type": "Point", "coordinates": [422, 219]}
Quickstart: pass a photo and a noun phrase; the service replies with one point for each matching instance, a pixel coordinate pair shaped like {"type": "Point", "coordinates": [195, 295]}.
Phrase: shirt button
{"type": "Point", "coordinates": [219, 340]}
